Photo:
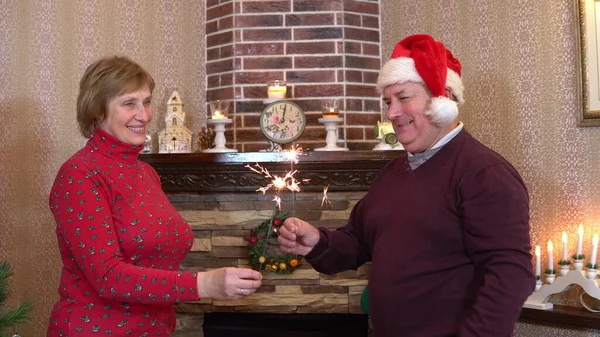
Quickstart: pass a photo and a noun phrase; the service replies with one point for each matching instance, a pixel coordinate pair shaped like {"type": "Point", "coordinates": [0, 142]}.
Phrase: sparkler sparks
{"type": "Point", "coordinates": [277, 182]}
{"type": "Point", "coordinates": [325, 200]}
{"type": "Point", "coordinates": [292, 154]}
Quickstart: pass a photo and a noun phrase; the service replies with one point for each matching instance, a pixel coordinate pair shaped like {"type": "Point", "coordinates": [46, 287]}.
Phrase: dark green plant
{"type": "Point", "coordinates": [10, 318]}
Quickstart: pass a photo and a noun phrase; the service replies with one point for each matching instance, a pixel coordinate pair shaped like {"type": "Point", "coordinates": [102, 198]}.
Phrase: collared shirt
{"type": "Point", "coordinates": [417, 159]}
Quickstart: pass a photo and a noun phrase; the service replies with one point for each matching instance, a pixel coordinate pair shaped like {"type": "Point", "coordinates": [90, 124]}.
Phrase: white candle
{"type": "Point", "coordinates": [565, 255]}
{"type": "Point", "coordinates": [550, 257]}
{"type": "Point", "coordinates": [594, 250]}
{"type": "Point", "coordinates": [538, 267]}
{"type": "Point", "coordinates": [579, 240]}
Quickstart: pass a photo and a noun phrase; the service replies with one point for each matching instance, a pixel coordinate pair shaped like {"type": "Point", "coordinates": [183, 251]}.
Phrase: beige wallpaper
{"type": "Point", "coordinates": [44, 49]}
{"type": "Point", "coordinates": [519, 71]}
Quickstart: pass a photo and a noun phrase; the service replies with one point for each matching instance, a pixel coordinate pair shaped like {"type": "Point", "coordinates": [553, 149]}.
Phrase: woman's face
{"type": "Point", "coordinates": [128, 116]}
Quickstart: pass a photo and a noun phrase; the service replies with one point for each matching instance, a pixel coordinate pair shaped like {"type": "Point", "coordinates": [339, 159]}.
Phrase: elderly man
{"type": "Point", "coordinates": [446, 226]}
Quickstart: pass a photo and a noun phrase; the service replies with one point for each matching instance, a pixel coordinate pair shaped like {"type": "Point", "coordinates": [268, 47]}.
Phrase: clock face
{"type": "Point", "coordinates": [282, 122]}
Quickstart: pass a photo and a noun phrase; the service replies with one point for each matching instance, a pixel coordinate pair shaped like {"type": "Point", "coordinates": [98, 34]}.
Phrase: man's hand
{"type": "Point", "coordinates": [298, 237]}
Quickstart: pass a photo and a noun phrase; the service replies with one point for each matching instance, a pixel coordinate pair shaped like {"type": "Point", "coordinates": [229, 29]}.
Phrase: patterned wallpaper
{"type": "Point", "coordinates": [44, 48]}
{"type": "Point", "coordinates": [519, 70]}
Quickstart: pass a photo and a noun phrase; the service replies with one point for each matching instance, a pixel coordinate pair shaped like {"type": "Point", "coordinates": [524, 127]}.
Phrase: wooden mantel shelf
{"type": "Point", "coordinates": [563, 316]}
{"type": "Point", "coordinates": [227, 172]}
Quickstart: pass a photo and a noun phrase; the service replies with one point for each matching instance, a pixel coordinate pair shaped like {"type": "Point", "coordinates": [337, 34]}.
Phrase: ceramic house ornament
{"type": "Point", "coordinates": [175, 138]}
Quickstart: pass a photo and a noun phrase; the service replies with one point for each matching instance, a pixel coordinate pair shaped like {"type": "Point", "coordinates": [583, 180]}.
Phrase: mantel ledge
{"type": "Point", "coordinates": [227, 172]}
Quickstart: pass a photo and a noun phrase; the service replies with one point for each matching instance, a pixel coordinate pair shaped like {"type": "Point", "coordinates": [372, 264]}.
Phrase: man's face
{"type": "Point", "coordinates": [408, 104]}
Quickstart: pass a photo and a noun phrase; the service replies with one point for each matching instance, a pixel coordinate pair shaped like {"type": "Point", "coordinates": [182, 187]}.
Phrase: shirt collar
{"type": "Point", "coordinates": [417, 159]}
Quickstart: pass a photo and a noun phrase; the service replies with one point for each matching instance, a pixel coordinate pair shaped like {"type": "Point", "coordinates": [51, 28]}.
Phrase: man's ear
{"type": "Point", "coordinates": [450, 95]}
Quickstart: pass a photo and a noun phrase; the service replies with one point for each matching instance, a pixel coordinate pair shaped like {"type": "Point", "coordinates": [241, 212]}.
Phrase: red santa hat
{"type": "Point", "coordinates": [421, 59]}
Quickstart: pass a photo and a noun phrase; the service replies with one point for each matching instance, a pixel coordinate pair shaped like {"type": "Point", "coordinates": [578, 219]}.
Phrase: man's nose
{"type": "Point", "coordinates": [394, 111]}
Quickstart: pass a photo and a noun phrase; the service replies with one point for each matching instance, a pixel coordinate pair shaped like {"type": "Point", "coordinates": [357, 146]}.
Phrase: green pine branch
{"type": "Point", "coordinates": [11, 318]}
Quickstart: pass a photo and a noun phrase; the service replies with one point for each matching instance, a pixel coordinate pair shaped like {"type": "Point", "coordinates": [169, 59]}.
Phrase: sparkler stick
{"type": "Point", "coordinates": [276, 208]}
{"type": "Point", "coordinates": [291, 155]}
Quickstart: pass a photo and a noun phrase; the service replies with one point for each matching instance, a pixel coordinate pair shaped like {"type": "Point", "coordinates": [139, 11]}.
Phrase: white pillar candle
{"type": "Point", "coordinates": [580, 240]}
{"type": "Point", "coordinates": [565, 255]}
{"type": "Point", "coordinates": [594, 249]}
{"type": "Point", "coordinates": [550, 257]}
{"type": "Point", "coordinates": [538, 267]}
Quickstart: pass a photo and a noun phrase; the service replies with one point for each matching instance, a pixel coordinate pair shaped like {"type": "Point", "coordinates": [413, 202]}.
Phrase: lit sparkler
{"type": "Point", "coordinates": [325, 200]}
{"type": "Point", "coordinates": [292, 154]}
{"type": "Point", "coordinates": [278, 183]}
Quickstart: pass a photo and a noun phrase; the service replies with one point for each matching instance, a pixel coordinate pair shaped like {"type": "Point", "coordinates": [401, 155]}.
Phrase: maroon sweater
{"type": "Point", "coordinates": [449, 243]}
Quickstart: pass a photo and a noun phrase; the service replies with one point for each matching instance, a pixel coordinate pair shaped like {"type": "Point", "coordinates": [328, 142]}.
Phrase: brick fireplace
{"type": "Point", "coordinates": [216, 194]}
{"type": "Point", "coordinates": [322, 49]}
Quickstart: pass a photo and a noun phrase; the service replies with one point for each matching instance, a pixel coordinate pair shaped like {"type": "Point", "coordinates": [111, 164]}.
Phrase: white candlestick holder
{"type": "Point", "coordinates": [539, 299]}
{"type": "Point", "coordinates": [564, 269]}
{"type": "Point", "coordinates": [578, 264]}
{"type": "Point", "coordinates": [220, 140]}
{"type": "Point", "coordinates": [331, 125]}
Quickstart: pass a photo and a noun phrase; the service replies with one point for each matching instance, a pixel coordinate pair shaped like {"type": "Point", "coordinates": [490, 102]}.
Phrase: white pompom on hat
{"type": "Point", "coordinates": [421, 59]}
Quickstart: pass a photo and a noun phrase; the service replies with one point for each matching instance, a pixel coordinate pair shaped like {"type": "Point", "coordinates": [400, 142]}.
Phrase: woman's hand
{"type": "Point", "coordinates": [298, 237]}
{"type": "Point", "coordinates": [228, 283]}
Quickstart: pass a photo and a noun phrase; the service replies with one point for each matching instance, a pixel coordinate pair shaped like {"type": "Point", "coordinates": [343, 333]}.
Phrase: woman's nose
{"type": "Point", "coordinates": [144, 113]}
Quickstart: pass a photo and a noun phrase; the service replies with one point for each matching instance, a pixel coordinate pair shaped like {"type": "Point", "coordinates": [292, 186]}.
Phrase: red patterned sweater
{"type": "Point", "coordinates": [121, 243]}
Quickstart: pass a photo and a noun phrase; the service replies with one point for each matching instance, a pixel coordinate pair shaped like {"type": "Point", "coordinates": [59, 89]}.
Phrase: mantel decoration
{"type": "Point", "coordinates": [263, 250]}
{"type": "Point", "coordinates": [331, 119]}
{"type": "Point", "coordinates": [555, 284]}
{"type": "Point", "coordinates": [175, 137]}
{"type": "Point", "coordinates": [219, 118]}
{"type": "Point", "coordinates": [384, 131]}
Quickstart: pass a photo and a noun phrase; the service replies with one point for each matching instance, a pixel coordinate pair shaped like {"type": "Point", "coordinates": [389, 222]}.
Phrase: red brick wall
{"type": "Point", "coordinates": [321, 48]}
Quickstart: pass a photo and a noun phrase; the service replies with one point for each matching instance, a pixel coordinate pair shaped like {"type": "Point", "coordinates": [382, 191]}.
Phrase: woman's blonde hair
{"type": "Point", "coordinates": [103, 80]}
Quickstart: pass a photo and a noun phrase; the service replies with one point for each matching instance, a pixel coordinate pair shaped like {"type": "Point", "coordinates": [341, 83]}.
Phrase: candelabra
{"type": "Point", "coordinates": [554, 285]}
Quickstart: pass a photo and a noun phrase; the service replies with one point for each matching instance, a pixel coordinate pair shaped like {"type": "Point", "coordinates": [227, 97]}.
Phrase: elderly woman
{"type": "Point", "coordinates": [120, 239]}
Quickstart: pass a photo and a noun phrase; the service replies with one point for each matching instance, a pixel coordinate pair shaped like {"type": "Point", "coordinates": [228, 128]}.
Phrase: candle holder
{"type": "Point", "coordinates": [538, 285]}
{"type": "Point", "coordinates": [219, 112]}
{"type": "Point", "coordinates": [578, 264]}
{"type": "Point", "coordinates": [331, 108]}
{"type": "Point", "coordinates": [276, 89]}
{"type": "Point", "coordinates": [220, 140]}
{"type": "Point", "coordinates": [564, 269]}
{"type": "Point", "coordinates": [331, 125]}
{"type": "Point", "coordinates": [219, 109]}
{"type": "Point", "coordinates": [539, 299]}
{"type": "Point", "coordinates": [550, 278]}
{"type": "Point", "coordinates": [591, 274]}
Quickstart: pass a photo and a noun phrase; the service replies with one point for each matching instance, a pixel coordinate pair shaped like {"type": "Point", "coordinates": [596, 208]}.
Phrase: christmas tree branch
{"type": "Point", "coordinates": [10, 318]}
